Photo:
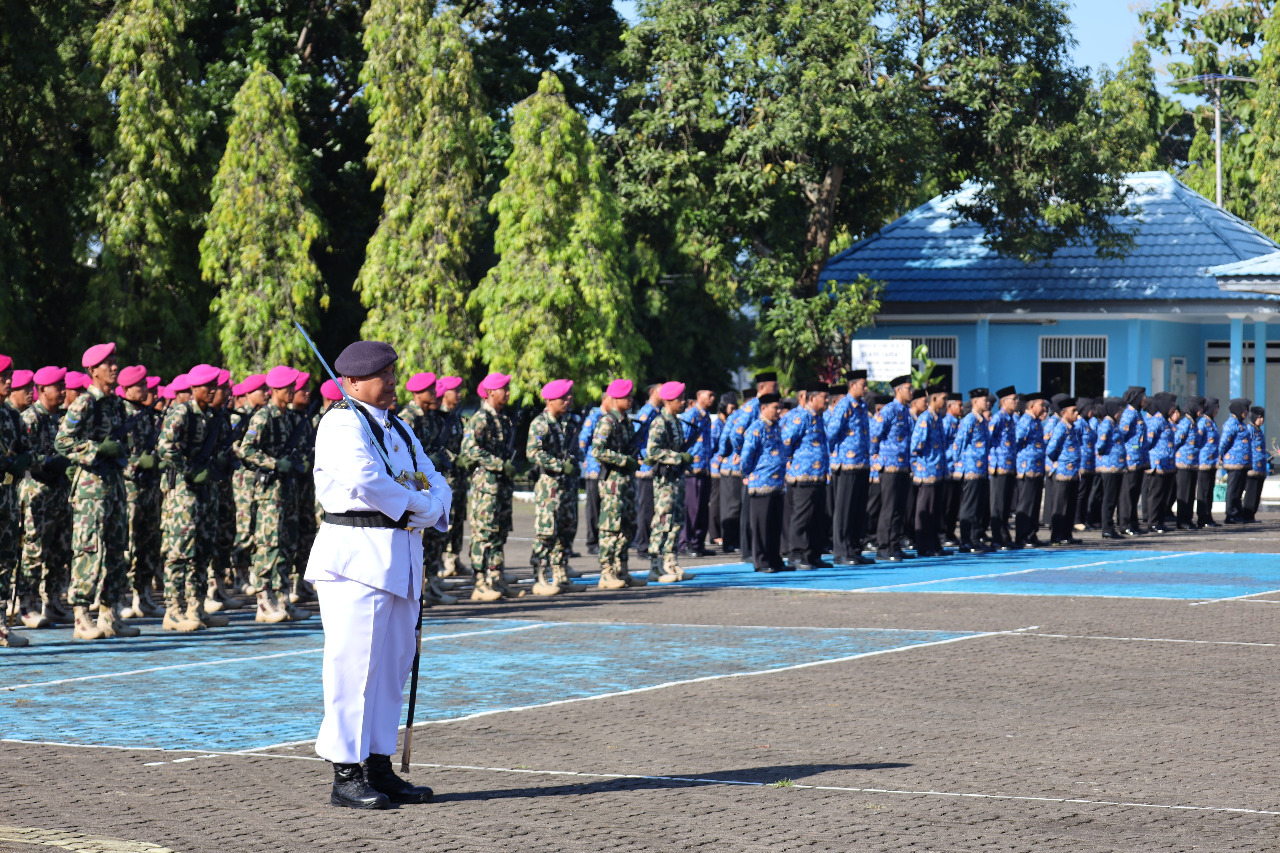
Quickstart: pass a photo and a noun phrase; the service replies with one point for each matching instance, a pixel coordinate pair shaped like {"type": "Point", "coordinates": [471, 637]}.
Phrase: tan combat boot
{"type": "Point", "coordinates": [176, 619]}
{"type": "Point", "coordinates": [295, 613]}
{"type": "Point", "coordinates": [86, 627]}
{"type": "Point", "coordinates": [628, 579]}
{"type": "Point", "coordinates": [32, 613]}
{"type": "Point", "coordinates": [111, 625]}
{"type": "Point", "coordinates": [451, 568]}
{"type": "Point", "coordinates": [655, 570]}
{"type": "Point", "coordinates": [58, 614]}
{"type": "Point", "coordinates": [269, 610]}
{"type": "Point", "coordinates": [484, 590]}
{"type": "Point", "coordinates": [10, 640]}
{"type": "Point", "coordinates": [541, 585]}
{"type": "Point", "coordinates": [505, 586]}
{"type": "Point", "coordinates": [148, 604]}
{"type": "Point", "coordinates": [195, 611]}
{"type": "Point", "coordinates": [671, 567]}
{"type": "Point", "coordinates": [560, 575]}
{"type": "Point", "coordinates": [436, 590]}
{"type": "Point", "coordinates": [610, 579]}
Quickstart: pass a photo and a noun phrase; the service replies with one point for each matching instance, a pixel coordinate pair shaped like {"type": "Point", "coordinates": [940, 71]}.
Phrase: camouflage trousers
{"type": "Point", "coordinates": [489, 514]}
{"type": "Point", "coordinates": [10, 542]}
{"type": "Point", "coordinates": [224, 527]}
{"type": "Point", "coordinates": [302, 516]}
{"type": "Point", "coordinates": [459, 483]}
{"type": "Point", "coordinates": [188, 518]}
{"type": "Point", "coordinates": [274, 538]}
{"type": "Point", "coordinates": [617, 517]}
{"type": "Point", "coordinates": [246, 517]}
{"type": "Point", "coordinates": [668, 515]}
{"type": "Point", "coordinates": [99, 538]}
{"type": "Point", "coordinates": [146, 556]}
{"type": "Point", "coordinates": [555, 520]}
{"type": "Point", "coordinates": [46, 539]}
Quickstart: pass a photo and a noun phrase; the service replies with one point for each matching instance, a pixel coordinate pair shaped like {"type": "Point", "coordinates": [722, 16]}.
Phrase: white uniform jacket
{"type": "Point", "coordinates": [349, 475]}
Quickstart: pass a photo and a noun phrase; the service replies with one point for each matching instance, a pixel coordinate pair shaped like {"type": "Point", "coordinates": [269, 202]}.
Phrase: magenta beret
{"type": "Point", "coordinates": [619, 388]}
{"type": "Point", "coordinates": [447, 383]}
{"type": "Point", "coordinates": [131, 375]}
{"type": "Point", "coordinates": [557, 388]}
{"type": "Point", "coordinates": [671, 390]}
{"type": "Point", "coordinates": [252, 383]}
{"type": "Point", "coordinates": [203, 374]}
{"type": "Point", "coordinates": [420, 382]}
{"type": "Point", "coordinates": [22, 378]}
{"type": "Point", "coordinates": [5, 362]}
{"type": "Point", "coordinates": [50, 376]}
{"type": "Point", "coordinates": [97, 354]}
{"type": "Point", "coordinates": [494, 381]}
{"type": "Point", "coordinates": [329, 390]}
{"type": "Point", "coordinates": [77, 380]}
{"type": "Point", "coordinates": [153, 382]}
{"type": "Point", "coordinates": [180, 383]}
{"type": "Point", "coordinates": [283, 376]}
{"type": "Point", "coordinates": [224, 376]}
{"type": "Point", "coordinates": [301, 381]}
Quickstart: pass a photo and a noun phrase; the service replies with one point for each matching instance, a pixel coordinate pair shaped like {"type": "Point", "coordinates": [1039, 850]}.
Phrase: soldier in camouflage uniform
{"type": "Point", "coordinates": [666, 453]}
{"type": "Point", "coordinates": [142, 490]}
{"type": "Point", "coordinates": [15, 458]}
{"type": "Point", "coordinates": [46, 547]}
{"type": "Point", "coordinates": [303, 494]}
{"type": "Point", "coordinates": [425, 422]}
{"type": "Point", "coordinates": [555, 494]}
{"type": "Point", "coordinates": [221, 568]}
{"type": "Point", "coordinates": [270, 451]}
{"type": "Point", "coordinates": [611, 446]}
{"type": "Point", "coordinates": [488, 447]}
{"type": "Point", "coordinates": [242, 484]}
{"type": "Point", "coordinates": [449, 394]}
{"type": "Point", "coordinates": [187, 447]}
{"type": "Point", "coordinates": [90, 436]}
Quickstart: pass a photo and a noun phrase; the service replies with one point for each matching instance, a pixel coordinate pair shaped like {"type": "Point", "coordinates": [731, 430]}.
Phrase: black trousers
{"type": "Point", "coordinates": [1186, 489]}
{"type": "Point", "coordinates": [788, 499]}
{"type": "Point", "coordinates": [1026, 516]}
{"type": "Point", "coordinates": [765, 512]}
{"type": "Point", "coordinates": [697, 506]}
{"type": "Point", "coordinates": [1065, 496]}
{"type": "Point", "coordinates": [592, 513]}
{"type": "Point", "coordinates": [1253, 495]}
{"type": "Point", "coordinates": [953, 492]}
{"type": "Point", "coordinates": [1205, 480]}
{"type": "Point", "coordinates": [1095, 501]}
{"type": "Point", "coordinates": [644, 512]}
{"type": "Point", "coordinates": [1110, 483]}
{"type": "Point", "coordinates": [1002, 491]}
{"type": "Point", "coordinates": [713, 512]}
{"type": "Point", "coordinates": [909, 522]}
{"type": "Point", "coordinates": [744, 523]}
{"type": "Point", "coordinates": [1159, 488]}
{"type": "Point", "coordinates": [808, 521]}
{"type": "Point", "coordinates": [975, 504]}
{"type": "Point", "coordinates": [1130, 492]}
{"type": "Point", "coordinates": [849, 513]}
{"type": "Point", "coordinates": [873, 511]}
{"type": "Point", "coordinates": [1048, 496]}
{"type": "Point", "coordinates": [894, 489]}
{"type": "Point", "coordinates": [731, 512]}
{"type": "Point", "coordinates": [928, 507]}
{"type": "Point", "coordinates": [1084, 491]}
{"type": "Point", "coordinates": [1235, 492]}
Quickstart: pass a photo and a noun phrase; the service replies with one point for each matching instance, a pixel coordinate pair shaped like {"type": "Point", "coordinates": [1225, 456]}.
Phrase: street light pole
{"type": "Point", "coordinates": [1216, 80]}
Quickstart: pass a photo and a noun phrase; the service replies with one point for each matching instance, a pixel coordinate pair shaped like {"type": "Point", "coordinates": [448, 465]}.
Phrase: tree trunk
{"type": "Point", "coordinates": [817, 244]}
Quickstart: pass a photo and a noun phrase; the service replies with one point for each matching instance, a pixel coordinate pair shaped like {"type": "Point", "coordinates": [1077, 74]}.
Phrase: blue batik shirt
{"type": "Point", "coordinates": [970, 447]}
{"type": "Point", "coordinates": [1160, 442]}
{"type": "Point", "coordinates": [717, 430]}
{"type": "Point", "coordinates": [764, 458]}
{"type": "Point", "coordinates": [590, 464]}
{"type": "Point", "coordinates": [640, 426]}
{"type": "Point", "coordinates": [1109, 448]}
{"type": "Point", "coordinates": [1234, 448]}
{"type": "Point", "coordinates": [928, 452]}
{"type": "Point", "coordinates": [1002, 451]}
{"type": "Point", "coordinates": [950, 423]}
{"type": "Point", "coordinates": [1063, 451]}
{"type": "Point", "coordinates": [849, 435]}
{"type": "Point", "coordinates": [805, 437]}
{"type": "Point", "coordinates": [699, 422]}
{"type": "Point", "coordinates": [1258, 441]}
{"type": "Point", "coordinates": [1086, 437]}
{"type": "Point", "coordinates": [1030, 443]}
{"type": "Point", "coordinates": [1133, 432]}
{"type": "Point", "coordinates": [1208, 447]}
{"type": "Point", "coordinates": [894, 433]}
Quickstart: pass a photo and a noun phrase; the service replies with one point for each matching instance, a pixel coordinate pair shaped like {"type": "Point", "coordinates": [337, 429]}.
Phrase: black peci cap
{"type": "Point", "coordinates": [766, 399]}
{"type": "Point", "coordinates": [1007, 391]}
{"type": "Point", "coordinates": [854, 375]}
{"type": "Point", "coordinates": [900, 380]}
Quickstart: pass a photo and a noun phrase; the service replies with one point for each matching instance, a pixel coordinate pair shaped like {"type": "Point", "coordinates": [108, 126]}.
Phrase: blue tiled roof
{"type": "Point", "coordinates": [931, 255]}
{"type": "Point", "coordinates": [1263, 266]}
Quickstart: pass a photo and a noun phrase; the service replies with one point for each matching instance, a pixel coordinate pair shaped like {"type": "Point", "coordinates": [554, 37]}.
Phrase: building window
{"type": "Point", "coordinates": [942, 352]}
{"type": "Point", "coordinates": [1073, 364]}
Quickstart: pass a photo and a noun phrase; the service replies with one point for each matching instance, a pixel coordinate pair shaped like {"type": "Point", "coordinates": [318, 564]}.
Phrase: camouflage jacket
{"type": "Point", "coordinates": [666, 437]}
{"type": "Point", "coordinates": [267, 438]}
{"type": "Point", "coordinates": [42, 429]}
{"type": "Point", "coordinates": [93, 417]}
{"type": "Point", "coordinates": [484, 446]}
{"type": "Point", "coordinates": [547, 448]}
{"type": "Point", "coordinates": [141, 437]}
{"type": "Point", "coordinates": [183, 436]}
{"type": "Point", "coordinates": [611, 445]}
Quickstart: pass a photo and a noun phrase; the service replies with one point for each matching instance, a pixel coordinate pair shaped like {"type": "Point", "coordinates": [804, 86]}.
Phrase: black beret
{"type": "Point", "coordinates": [900, 380]}
{"type": "Point", "coordinates": [364, 358]}
{"type": "Point", "coordinates": [766, 399]}
{"type": "Point", "coordinates": [853, 375]}
{"type": "Point", "coordinates": [1006, 392]}
{"type": "Point", "coordinates": [766, 376]}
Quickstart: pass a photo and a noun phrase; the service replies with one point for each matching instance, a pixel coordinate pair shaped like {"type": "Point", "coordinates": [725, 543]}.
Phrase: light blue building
{"type": "Point", "coordinates": [1177, 313]}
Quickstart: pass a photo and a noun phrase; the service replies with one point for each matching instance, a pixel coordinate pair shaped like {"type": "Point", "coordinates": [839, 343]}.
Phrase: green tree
{"type": "Point", "coordinates": [257, 246]}
{"type": "Point", "coordinates": [428, 121]}
{"type": "Point", "coordinates": [148, 294]}
{"type": "Point", "coordinates": [558, 303]}
{"type": "Point", "coordinates": [1266, 154]}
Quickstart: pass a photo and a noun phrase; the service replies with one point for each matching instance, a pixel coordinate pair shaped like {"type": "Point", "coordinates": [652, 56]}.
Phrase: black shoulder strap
{"type": "Point", "coordinates": [376, 431]}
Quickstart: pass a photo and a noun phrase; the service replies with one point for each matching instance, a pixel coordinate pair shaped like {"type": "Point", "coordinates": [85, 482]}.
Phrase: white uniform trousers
{"type": "Point", "coordinates": [369, 644]}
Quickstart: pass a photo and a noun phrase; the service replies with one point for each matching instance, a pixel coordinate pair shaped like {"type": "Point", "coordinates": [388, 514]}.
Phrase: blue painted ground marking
{"type": "Point", "coordinates": [1097, 572]}
{"type": "Point", "coordinates": [250, 701]}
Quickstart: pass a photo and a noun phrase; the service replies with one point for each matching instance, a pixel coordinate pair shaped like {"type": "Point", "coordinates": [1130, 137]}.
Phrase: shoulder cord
{"type": "Point", "coordinates": [396, 424]}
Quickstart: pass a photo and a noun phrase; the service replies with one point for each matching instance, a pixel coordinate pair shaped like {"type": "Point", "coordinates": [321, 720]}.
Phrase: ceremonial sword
{"type": "Point", "coordinates": [403, 479]}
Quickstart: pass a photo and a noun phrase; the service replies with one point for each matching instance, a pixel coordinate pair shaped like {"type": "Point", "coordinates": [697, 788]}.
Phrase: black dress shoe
{"type": "Point", "coordinates": [894, 558]}
{"type": "Point", "coordinates": [1011, 546]}
{"type": "Point", "coordinates": [593, 550]}
{"type": "Point", "coordinates": [1182, 526]}
{"type": "Point", "coordinates": [382, 779]}
{"type": "Point", "coordinates": [1211, 524]}
{"type": "Point", "coordinates": [822, 564]}
{"type": "Point", "coordinates": [803, 567]}
{"type": "Point", "coordinates": [768, 570]}
{"type": "Point", "coordinates": [351, 791]}
{"type": "Point", "coordinates": [860, 560]}
{"type": "Point", "coordinates": [1111, 534]}
{"type": "Point", "coordinates": [573, 553]}
{"type": "Point", "coordinates": [844, 561]}
{"type": "Point", "coordinates": [965, 548]}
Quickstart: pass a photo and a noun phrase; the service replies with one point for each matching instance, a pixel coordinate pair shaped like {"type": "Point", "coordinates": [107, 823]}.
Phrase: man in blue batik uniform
{"type": "Point", "coordinates": [848, 435]}
{"type": "Point", "coordinates": [805, 438]}
{"type": "Point", "coordinates": [764, 463]}
{"type": "Point", "coordinates": [893, 433]}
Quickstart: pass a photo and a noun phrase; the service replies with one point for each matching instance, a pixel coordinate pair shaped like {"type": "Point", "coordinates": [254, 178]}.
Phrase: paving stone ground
{"type": "Point", "coordinates": [1111, 725]}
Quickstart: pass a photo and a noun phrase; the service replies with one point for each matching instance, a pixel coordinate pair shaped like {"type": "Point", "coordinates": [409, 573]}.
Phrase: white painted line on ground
{"type": "Point", "coordinates": [1261, 601]}
{"type": "Point", "coordinates": [425, 639]}
{"type": "Point", "coordinates": [1235, 597]}
{"type": "Point", "coordinates": [667, 684]}
{"type": "Point", "coordinates": [1150, 640]}
{"type": "Point", "coordinates": [890, 587]}
{"type": "Point", "coordinates": [722, 625]}
{"type": "Point", "coordinates": [799, 785]}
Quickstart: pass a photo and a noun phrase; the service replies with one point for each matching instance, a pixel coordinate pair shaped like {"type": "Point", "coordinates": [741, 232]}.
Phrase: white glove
{"type": "Point", "coordinates": [425, 510]}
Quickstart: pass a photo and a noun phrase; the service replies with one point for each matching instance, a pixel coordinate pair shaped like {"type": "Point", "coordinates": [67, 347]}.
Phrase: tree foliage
{"type": "Point", "coordinates": [428, 123]}
{"type": "Point", "coordinates": [558, 302]}
{"type": "Point", "coordinates": [147, 294]}
{"type": "Point", "coordinates": [256, 247]}
{"type": "Point", "coordinates": [1266, 154]}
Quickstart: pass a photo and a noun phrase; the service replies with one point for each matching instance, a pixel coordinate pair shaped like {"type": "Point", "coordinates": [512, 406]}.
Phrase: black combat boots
{"type": "Point", "coordinates": [378, 771]}
{"type": "Point", "coordinates": [352, 791]}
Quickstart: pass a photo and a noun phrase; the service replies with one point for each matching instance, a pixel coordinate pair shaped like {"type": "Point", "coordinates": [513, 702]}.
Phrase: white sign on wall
{"type": "Point", "coordinates": [883, 360]}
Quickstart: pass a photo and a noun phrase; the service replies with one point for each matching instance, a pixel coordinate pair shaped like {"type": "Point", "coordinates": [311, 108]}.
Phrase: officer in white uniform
{"type": "Point", "coordinates": [366, 565]}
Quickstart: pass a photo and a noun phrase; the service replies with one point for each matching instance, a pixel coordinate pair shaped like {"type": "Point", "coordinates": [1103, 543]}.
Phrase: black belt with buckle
{"type": "Point", "coordinates": [366, 518]}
